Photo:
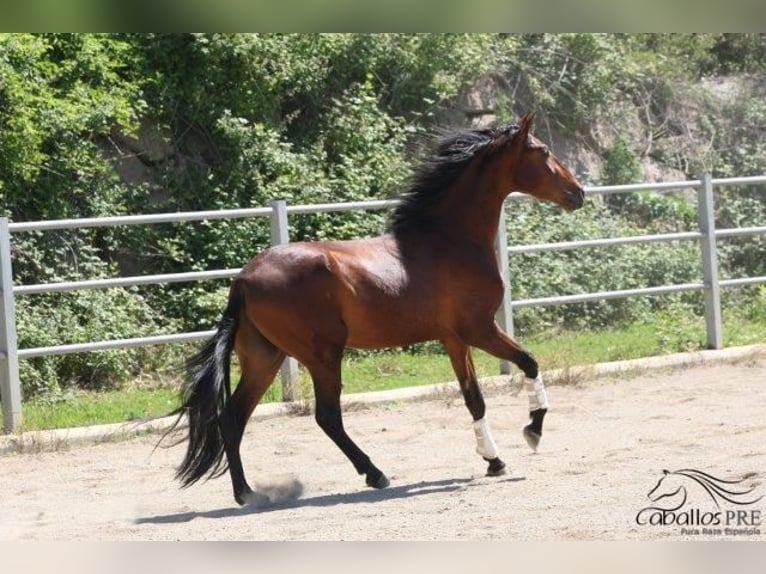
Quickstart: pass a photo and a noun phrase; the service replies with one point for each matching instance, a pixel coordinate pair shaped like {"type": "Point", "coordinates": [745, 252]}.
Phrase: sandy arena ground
{"type": "Point", "coordinates": [606, 443]}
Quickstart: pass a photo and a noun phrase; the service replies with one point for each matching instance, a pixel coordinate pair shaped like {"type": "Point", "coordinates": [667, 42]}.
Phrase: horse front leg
{"type": "Point", "coordinates": [501, 345]}
{"type": "Point", "coordinates": [462, 364]}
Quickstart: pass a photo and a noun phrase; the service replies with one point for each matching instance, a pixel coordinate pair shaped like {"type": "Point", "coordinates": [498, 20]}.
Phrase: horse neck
{"type": "Point", "coordinates": [472, 211]}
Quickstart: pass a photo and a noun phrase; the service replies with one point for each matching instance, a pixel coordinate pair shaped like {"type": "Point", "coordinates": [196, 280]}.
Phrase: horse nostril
{"type": "Point", "coordinates": [577, 197]}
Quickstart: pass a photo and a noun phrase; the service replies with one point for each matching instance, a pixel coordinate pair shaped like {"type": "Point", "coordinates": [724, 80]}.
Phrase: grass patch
{"type": "Point", "coordinates": [90, 408]}
{"type": "Point", "coordinates": [395, 369]}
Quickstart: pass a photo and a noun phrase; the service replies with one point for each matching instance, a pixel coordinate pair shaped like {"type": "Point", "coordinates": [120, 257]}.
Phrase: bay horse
{"type": "Point", "coordinates": [432, 276]}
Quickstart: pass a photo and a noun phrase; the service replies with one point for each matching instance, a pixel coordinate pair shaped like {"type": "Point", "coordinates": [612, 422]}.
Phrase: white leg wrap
{"type": "Point", "coordinates": [485, 444]}
{"type": "Point", "coordinates": [538, 399]}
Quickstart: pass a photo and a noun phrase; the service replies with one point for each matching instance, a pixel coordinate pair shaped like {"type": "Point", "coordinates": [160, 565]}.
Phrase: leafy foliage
{"type": "Point", "coordinates": [584, 270]}
{"type": "Point", "coordinates": [621, 166]}
{"type": "Point", "coordinates": [570, 77]}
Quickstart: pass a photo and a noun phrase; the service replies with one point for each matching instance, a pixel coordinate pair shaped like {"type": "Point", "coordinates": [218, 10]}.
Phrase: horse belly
{"type": "Point", "coordinates": [375, 327]}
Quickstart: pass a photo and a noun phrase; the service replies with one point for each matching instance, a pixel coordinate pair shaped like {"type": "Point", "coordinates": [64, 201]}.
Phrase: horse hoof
{"type": "Point", "coordinates": [496, 467]}
{"type": "Point", "coordinates": [248, 497]}
{"type": "Point", "coordinates": [242, 496]}
{"type": "Point", "coordinates": [532, 438]}
{"type": "Point", "coordinates": [254, 499]}
{"type": "Point", "coordinates": [377, 480]}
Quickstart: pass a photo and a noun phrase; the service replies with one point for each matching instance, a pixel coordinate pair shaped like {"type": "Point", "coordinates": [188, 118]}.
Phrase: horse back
{"type": "Point", "coordinates": [359, 287]}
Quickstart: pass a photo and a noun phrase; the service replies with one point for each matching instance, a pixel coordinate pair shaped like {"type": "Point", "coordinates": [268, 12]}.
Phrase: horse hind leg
{"type": "Point", "coordinates": [259, 362]}
{"type": "Point", "coordinates": [327, 388]}
{"type": "Point", "coordinates": [462, 364]}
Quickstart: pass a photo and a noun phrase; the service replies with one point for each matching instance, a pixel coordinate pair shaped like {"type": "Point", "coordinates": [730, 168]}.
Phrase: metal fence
{"type": "Point", "coordinates": [278, 212]}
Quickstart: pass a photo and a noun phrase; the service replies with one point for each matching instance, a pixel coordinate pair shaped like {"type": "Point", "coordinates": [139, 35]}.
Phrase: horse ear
{"type": "Point", "coordinates": [525, 124]}
{"type": "Point", "coordinates": [520, 137]}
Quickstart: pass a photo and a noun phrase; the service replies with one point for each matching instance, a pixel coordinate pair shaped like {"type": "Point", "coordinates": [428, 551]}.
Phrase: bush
{"type": "Point", "coordinates": [621, 166]}
{"type": "Point", "coordinates": [604, 269]}
{"type": "Point", "coordinates": [80, 317]}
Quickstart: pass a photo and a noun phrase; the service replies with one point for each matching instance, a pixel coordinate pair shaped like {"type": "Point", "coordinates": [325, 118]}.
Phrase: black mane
{"type": "Point", "coordinates": [435, 175]}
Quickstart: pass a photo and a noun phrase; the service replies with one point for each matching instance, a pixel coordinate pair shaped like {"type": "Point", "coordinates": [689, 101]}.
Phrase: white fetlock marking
{"type": "Point", "coordinates": [485, 444]}
{"type": "Point", "coordinates": [538, 398]}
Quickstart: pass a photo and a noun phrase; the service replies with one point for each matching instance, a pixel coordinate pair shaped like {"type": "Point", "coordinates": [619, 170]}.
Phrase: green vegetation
{"type": "Point", "coordinates": [111, 124]}
{"type": "Point", "coordinates": [91, 408]}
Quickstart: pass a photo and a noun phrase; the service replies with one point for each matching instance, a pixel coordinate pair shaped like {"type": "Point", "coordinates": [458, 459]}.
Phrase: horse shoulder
{"type": "Point", "coordinates": [365, 266]}
{"type": "Point", "coordinates": [477, 269]}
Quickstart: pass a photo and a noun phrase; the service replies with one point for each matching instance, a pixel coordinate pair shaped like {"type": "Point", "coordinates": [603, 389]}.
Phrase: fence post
{"type": "Point", "coordinates": [712, 291]}
{"type": "Point", "coordinates": [10, 386]}
{"type": "Point", "coordinates": [280, 234]}
{"type": "Point", "coordinates": [504, 314]}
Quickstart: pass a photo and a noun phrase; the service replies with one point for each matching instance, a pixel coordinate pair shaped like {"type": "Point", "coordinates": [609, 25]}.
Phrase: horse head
{"type": "Point", "coordinates": [668, 486]}
{"type": "Point", "coordinates": [717, 490]}
{"type": "Point", "coordinates": [534, 169]}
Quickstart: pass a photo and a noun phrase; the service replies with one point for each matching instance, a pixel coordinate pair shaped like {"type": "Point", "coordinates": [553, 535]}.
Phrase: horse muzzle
{"type": "Point", "coordinates": [575, 197]}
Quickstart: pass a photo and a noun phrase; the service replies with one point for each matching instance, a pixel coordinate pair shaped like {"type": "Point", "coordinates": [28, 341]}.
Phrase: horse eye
{"type": "Point", "coordinates": [546, 152]}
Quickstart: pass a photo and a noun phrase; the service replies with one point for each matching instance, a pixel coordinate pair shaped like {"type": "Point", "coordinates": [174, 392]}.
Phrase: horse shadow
{"type": "Point", "coordinates": [424, 488]}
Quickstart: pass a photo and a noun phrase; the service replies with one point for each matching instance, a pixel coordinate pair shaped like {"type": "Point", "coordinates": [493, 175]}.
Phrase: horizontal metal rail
{"type": "Point", "coordinates": [742, 281]}
{"type": "Point", "coordinates": [612, 241]}
{"type": "Point", "coordinates": [114, 344]}
{"type": "Point", "coordinates": [674, 185]}
{"type": "Point", "coordinates": [741, 231]}
{"type": "Point", "coordinates": [657, 186]}
{"type": "Point", "coordinates": [602, 295]}
{"type": "Point", "coordinates": [348, 206]}
{"type": "Point", "coordinates": [747, 180]}
{"type": "Point", "coordinates": [187, 216]}
{"type": "Point", "coordinates": [180, 217]}
{"type": "Point", "coordinates": [124, 281]}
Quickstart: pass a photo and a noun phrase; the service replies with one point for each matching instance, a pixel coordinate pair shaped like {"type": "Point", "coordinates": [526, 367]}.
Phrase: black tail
{"type": "Point", "coordinates": [205, 393]}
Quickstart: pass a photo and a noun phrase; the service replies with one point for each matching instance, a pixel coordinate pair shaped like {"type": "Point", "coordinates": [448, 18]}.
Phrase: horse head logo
{"type": "Point", "coordinates": [671, 489]}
